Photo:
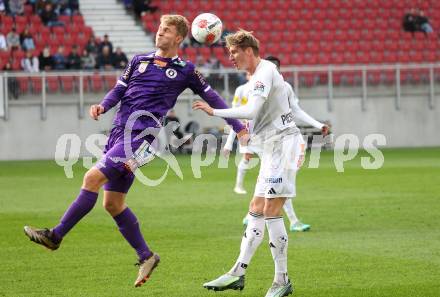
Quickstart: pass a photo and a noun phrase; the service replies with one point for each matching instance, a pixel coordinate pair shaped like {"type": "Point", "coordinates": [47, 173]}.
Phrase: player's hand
{"type": "Point", "coordinates": [200, 105]}
{"type": "Point", "coordinates": [95, 111]}
{"type": "Point", "coordinates": [248, 156]}
{"type": "Point", "coordinates": [325, 130]}
{"type": "Point", "coordinates": [226, 152]}
{"type": "Point", "coordinates": [243, 137]}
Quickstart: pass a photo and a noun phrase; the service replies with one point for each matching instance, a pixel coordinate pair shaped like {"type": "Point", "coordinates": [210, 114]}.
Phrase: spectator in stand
{"type": "Point", "coordinates": [409, 21]}
{"type": "Point", "coordinates": [74, 6]}
{"type": "Point", "coordinates": [3, 43]}
{"type": "Point", "coordinates": [46, 60]}
{"type": "Point", "coordinates": [143, 6]}
{"type": "Point", "coordinates": [88, 61]}
{"type": "Point", "coordinates": [74, 59]}
{"type": "Point", "coordinates": [59, 59]}
{"type": "Point", "coordinates": [27, 42]}
{"type": "Point", "coordinates": [13, 40]}
{"type": "Point", "coordinates": [2, 7]}
{"type": "Point", "coordinates": [16, 7]}
{"type": "Point", "coordinates": [91, 46]}
{"type": "Point", "coordinates": [105, 43]}
{"type": "Point", "coordinates": [12, 81]}
{"type": "Point", "coordinates": [423, 23]}
{"type": "Point", "coordinates": [120, 59]}
{"type": "Point", "coordinates": [30, 63]}
{"type": "Point", "coordinates": [33, 3]}
{"type": "Point", "coordinates": [39, 6]}
{"type": "Point", "coordinates": [128, 4]}
{"type": "Point", "coordinates": [105, 59]}
{"type": "Point", "coordinates": [49, 17]}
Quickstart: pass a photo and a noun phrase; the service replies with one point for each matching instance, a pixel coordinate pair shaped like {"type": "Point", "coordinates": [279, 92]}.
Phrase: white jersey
{"type": "Point", "coordinates": [298, 113]}
{"type": "Point", "coordinates": [293, 99]}
{"type": "Point", "coordinates": [241, 95]}
{"type": "Point", "coordinates": [275, 116]}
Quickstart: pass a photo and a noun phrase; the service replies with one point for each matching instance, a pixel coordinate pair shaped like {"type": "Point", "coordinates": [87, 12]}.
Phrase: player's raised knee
{"type": "Point", "coordinates": [93, 180]}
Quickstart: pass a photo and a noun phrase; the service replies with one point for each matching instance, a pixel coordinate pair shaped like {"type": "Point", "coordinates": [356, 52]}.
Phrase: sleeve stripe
{"type": "Point", "coordinates": [207, 89]}
{"type": "Point", "coordinates": [122, 83]}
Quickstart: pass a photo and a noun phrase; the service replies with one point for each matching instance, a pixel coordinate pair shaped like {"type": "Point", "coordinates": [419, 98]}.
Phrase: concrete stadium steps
{"type": "Point", "coordinates": [110, 17]}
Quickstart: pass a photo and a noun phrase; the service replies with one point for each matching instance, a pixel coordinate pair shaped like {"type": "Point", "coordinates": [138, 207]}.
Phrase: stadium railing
{"type": "Point", "coordinates": [310, 82]}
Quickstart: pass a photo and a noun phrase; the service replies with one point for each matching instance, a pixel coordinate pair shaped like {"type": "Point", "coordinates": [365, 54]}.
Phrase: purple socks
{"type": "Point", "coordinates": [83, 204]}
{"type": "Point", "coordinates": [129, 227]}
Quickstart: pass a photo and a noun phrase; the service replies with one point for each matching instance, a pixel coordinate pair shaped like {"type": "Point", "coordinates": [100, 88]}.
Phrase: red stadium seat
{"type": "Point", "coordinates": [110, 81]}
{"type": "Point", "coordinates": [36, 85]}
{"type": "Point", "coordinates": [28, 10]}
{"type": "Point", "coordinates": [52, 84]}
{"type": "Point", "coordinates": [23, 84]}
{"type": "Point", "coordinates": [78, 19]}
{"type": "Point", "coordinates": [96, 81]}
{"type": "Point", "coordinates": [67, 83]}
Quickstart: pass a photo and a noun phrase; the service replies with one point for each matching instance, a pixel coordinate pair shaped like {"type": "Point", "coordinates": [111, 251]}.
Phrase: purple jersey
{"type": "Point", "coordinates": [153, 83]}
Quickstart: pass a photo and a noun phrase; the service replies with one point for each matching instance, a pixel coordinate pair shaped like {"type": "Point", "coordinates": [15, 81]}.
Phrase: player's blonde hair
{"type": "Point", "coordinates": [179, 21]}
{"type": "Point", "coordinates": [243, 39]}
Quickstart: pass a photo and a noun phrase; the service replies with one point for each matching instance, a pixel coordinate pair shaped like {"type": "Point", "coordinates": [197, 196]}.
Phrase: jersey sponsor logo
{"type": "Point", "coordinates": [171, 73]}
{"type": "Point", "coordinates": [179, 63]}
{"type": "Point", "coordinates": [160, 63]}
{"type": "Point", "coordinates": [127, 72]}
{"type": "Point", "coordinates": [287, 118]}
{"type": "Point", "coordinates": [143, 66]}
{"type": "Point", "coordinates": [273, 180]}
{"type": "Point", "coordinates": [259, 87]}
{"type": "Point", "coordinates": [272, 191]}
{"type": "Point", "coordinates": [200, 77]}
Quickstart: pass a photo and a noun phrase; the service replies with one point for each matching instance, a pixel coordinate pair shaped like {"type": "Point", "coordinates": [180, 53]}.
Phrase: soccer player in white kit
{"type": "Point", "coordinates": [241, 98]}
{"type": "Point", "coordinates": [279, 144]}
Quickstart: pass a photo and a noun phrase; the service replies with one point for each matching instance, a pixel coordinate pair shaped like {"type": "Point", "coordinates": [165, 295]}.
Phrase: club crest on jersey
{"type": "Point", "coordinates": [259, 87]}
{"type": "Point", "coordinates": [171, 73]}
{"type": "Point", "coordinates": [143, 67]}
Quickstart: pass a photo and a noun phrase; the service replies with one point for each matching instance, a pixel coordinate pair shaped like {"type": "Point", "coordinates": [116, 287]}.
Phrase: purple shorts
{"type": "Point", "coordinates": [113, 161]}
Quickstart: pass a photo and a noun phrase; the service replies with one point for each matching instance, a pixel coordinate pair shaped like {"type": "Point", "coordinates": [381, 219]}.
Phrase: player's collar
{"type": "Point", "coordinates": [159, 57]}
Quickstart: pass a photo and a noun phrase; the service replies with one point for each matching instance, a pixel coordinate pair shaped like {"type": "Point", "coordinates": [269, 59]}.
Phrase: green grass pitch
{"type": "Point", "coordinates": [374, 232]}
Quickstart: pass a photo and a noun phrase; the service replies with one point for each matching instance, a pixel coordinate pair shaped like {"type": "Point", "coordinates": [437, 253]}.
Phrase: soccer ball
{"type": "Point", "coordinates": [206, 28]}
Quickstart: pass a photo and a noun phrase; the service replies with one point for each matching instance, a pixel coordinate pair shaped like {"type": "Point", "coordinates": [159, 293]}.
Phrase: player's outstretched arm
{"type": "Point", "coordinates": [248, 111]}
{"type": "Point", "coordinates": [300, 114]}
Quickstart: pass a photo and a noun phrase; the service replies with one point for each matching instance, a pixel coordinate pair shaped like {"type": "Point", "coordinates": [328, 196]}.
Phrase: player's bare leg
{"type": "Point", "coordinates": [114, 204]}
{"type": "Point", "coordinates": [84, 203]}
{"type": "Point", "coordinates": [251, 240]}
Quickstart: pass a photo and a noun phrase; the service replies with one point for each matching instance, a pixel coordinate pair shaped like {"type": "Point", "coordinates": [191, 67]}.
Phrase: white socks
{"type": "Point", "coordinates": [278, 242]}
{"type": "Point", "coordinates": [241, 172]}
{"type": "Point", "coordinates": [252, 238]}
{"type": "Point", "coordinates": [290, 212]}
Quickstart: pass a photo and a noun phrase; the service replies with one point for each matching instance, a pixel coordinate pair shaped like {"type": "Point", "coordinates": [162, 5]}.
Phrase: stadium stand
{"type": "Point", "coordinates": [320, 32]}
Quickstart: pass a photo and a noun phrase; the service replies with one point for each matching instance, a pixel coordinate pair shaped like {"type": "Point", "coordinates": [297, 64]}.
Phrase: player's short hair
{"type": "Point", "coordinates": [274, 60]}
{"type": "Point", "coordinates": [179, 21]}
{"type": "Point", "coordinates": [243, 39]}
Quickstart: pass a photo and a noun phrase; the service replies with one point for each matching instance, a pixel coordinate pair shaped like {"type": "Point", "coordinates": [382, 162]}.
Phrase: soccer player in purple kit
{"type": "Point", "coordinates": [150, 84]}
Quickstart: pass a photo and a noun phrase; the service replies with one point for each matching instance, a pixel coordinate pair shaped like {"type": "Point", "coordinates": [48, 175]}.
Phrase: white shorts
{"type": "Point", "coordinates": [280, 161]}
